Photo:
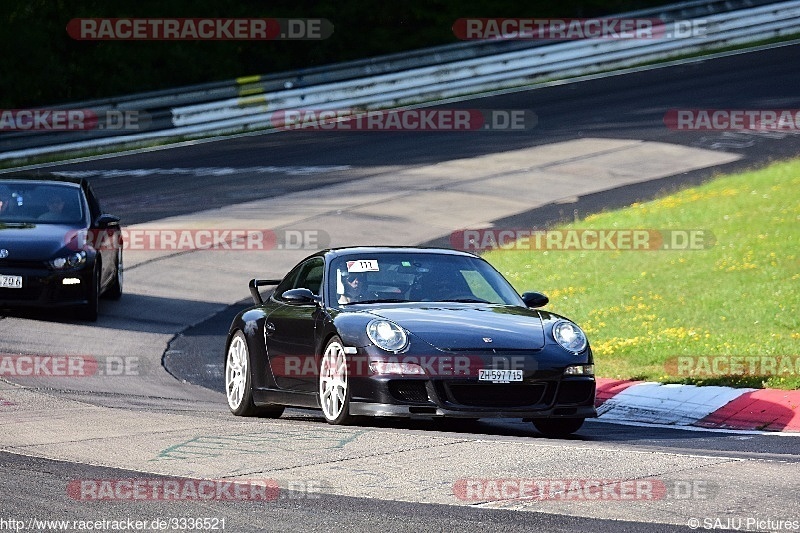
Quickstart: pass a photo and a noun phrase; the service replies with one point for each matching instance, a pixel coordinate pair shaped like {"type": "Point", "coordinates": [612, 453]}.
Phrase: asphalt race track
{"type": "Point", "coordinates": [598, 143]}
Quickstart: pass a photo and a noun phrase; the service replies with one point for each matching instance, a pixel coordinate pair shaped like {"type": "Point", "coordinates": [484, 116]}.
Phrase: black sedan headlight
{"type": "Point", "coordinates": [387, 335]}
{"type": "Point", "coordinates": [569, 336]}
{"type": "Point", "coordinates": [73, 260]}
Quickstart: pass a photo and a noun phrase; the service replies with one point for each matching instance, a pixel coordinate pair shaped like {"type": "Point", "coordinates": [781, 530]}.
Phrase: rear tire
{"type": "Point", "coordinates": [558, 427]}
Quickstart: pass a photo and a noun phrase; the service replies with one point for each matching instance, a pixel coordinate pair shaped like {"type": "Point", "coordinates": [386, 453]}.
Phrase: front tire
{"type": "Point", "coordinates": [89, 310]}
{"type": "Point", "coordinates": [334, 385]}
{"type": "Point", "coordinates": [114, 291]}
{"type": "Point", "coordinates": [238, 381]}
{"type": "Point", "coordinates": [558, 427]}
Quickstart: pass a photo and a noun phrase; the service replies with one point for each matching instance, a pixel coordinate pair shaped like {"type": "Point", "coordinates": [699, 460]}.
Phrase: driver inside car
{"type": "Point", "coordinates": [354, 288]}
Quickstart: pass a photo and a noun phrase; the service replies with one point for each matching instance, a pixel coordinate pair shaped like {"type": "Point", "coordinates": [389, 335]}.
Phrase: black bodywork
{"type": "Point", "coordinates": [289, 326]}
{"type": "Point", "coordinates": [30, 242]}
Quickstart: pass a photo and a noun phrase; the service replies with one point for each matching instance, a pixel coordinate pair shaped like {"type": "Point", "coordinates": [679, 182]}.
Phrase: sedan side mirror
{"type": "Point", "coordinates": [106, 221]}
{"type": "Point", "coordinates": [535, 299]}
{"type": "Point", "coordinates": [300, 296]}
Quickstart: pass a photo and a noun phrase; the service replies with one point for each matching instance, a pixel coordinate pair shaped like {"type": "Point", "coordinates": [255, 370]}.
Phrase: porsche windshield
{"type": "Point", "coordinates": [417, 277]}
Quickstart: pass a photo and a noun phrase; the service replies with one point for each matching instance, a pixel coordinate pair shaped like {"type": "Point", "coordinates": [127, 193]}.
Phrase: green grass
{"type": "Point", "coordinates": [642, 308]}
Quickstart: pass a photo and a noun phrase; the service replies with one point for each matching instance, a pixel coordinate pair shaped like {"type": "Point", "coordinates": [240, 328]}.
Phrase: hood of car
{"type": "Point", "coordinates": [465, 327]}
{"type": "Point", "coordinates": [33, 242]}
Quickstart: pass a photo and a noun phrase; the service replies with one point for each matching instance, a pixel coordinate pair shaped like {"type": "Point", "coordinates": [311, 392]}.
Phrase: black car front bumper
{"type": "Point", "coordinates": [570, 397]}
{"type": "Point", "coordinates": [43, 287]}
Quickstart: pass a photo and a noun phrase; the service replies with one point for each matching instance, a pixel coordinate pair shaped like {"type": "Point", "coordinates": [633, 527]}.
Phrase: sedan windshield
{"type": "Point", "coordinates": [417, 277]}
{"type": "Point", "coordinates": [26, 202]}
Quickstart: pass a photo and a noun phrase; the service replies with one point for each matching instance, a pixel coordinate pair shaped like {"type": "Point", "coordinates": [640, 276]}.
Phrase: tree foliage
{"type": "Point", "coordinates": [42, 65]}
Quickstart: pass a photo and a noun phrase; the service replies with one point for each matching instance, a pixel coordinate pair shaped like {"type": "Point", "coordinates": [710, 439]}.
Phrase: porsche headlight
{"type": "Point", "coordinates": [569, 336]}
{"type": "Point", "coordinates": [69, 261]}
{"type": "Point", "coordinates": [387, 335]}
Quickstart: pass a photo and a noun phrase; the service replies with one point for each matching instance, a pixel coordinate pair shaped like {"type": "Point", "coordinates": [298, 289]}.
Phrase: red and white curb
{"type": "Point", "coordinates": [706, 407]}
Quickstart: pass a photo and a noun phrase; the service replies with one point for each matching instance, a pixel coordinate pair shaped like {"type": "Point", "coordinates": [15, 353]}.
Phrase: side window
{"type": "Point", "coordinates": [287, 283]}
{"type": "Point", "coordinates": [307, 275]}
{"type": "Point", "coordinates": [94, 206]}
{"type": "Point", "coordinates": [311, 278]}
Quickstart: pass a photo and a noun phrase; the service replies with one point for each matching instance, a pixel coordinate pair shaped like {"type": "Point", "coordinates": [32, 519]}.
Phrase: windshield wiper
{"type": "Point", "coordinates": [467, 300]}
{"type": "Point", "coordinates": [17, 225]}
{"type": "Point", "coordinates": [379, 301]}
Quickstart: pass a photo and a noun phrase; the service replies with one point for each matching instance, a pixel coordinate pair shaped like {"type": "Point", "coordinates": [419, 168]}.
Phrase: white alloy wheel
{"type": "Point", "coordinates": [237, 369]}
{"type": "Point", "coordinates": [334, 391]}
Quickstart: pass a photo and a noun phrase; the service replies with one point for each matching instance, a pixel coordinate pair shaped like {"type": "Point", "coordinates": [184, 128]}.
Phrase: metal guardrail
{"type": "Point", "coordinates": [406, 79]}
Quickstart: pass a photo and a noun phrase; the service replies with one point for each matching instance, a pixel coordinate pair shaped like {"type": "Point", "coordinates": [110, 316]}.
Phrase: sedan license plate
{"type": "Point", "coordinates": [499, 376]}
{"type": "Point", "coordinates": [10, 282]}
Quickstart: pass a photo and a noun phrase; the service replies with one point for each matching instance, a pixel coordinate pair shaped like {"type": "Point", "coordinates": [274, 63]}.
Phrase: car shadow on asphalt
{"type": "Point", "coordinates": [133, 312]}
{"type": "Point", "coordinates": [489, 427]}
{"type": "Point", "coordinates": [593, 431]}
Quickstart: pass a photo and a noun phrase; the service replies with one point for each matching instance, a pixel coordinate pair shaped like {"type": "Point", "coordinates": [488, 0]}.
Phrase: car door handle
{"type": "Point", "coordinates": [269, 328]}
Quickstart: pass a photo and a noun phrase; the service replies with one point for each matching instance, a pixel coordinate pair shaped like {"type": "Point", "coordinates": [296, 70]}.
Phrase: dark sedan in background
{"type": "Point", "coordinates": [57, 247]}
{"type": "Point", "coordinates": [411, 332]}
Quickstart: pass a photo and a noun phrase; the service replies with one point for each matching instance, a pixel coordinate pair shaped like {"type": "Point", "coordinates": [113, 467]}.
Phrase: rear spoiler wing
{"type": "Point", "coordinates": [256, 283]}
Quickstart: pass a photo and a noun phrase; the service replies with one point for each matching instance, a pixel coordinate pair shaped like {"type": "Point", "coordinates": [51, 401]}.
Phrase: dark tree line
{"type": "Point", "coordinates": [42, 64]}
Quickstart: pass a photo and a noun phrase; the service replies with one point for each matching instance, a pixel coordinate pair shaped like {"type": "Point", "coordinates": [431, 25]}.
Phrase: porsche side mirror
{"type": "Point", "coordinates": [535, 299]}
{"type": "Point", "coordinates": [300, 296]}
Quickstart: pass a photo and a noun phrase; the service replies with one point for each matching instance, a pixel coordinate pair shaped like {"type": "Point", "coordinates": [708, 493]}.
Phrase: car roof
{"type": "Point", "coordinates": [43, 178]}
{"type": "Point", "coordinates": [332, 253]}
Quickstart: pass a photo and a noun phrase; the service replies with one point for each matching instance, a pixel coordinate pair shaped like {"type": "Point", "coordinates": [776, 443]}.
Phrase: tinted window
{"type": "Point", "coordinates": [94, 204]}
{"type": "Point", "coordinates": [307, 275]}
{"type": "Point", "coordinates": [41, 203]}
{"type": "Point", "coordinates": [310, 276]}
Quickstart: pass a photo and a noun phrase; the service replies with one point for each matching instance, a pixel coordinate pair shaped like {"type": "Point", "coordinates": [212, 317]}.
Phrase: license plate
{"type": "Point", "coordinates": [499, 376]}
{"type": "Point", "coordinates": [10, 282]}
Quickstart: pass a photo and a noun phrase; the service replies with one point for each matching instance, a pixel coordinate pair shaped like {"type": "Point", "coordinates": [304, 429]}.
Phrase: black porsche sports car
{"type": "Point", "coordinates": [57, 247]}
{"type": "Point", "coordinates": [419, 332]}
